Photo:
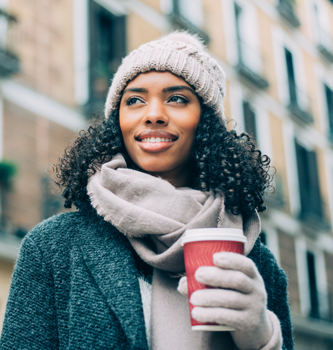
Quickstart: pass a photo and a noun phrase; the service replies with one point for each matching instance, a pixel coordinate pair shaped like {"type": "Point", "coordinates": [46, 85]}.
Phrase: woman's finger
{"type": "Point", "coordinates": [220, 298]}
{"type": "Point", "coordinates": [216, 277]}
{"type": "Point", "coordinates": [225, 317]}
{"type": "Point", "coordinates": [237, 262]}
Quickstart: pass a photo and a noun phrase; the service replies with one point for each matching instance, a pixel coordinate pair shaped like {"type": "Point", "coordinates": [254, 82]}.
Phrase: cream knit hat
{"type": "Point", "coordinates": [180, 53]}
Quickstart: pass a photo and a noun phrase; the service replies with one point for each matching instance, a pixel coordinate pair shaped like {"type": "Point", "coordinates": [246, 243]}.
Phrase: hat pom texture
{"type": "Point", "coordinates": [180, 53]}
{"type": "Point", "coordinates": [186, 38]}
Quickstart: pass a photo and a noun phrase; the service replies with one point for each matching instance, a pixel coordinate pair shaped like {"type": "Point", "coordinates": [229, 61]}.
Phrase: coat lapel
{"type": "Point", "coordinates": [108, 256]}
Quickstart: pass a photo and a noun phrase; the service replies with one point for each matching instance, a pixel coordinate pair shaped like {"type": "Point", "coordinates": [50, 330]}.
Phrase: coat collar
{"type": "Point", "coordinates": [107, 254]}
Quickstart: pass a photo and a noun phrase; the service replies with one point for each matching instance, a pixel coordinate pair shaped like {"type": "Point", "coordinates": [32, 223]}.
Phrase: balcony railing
{"type": "Point", "coordinates": [250, 65]}
{"type": "Point", "coordinates": [300, 104]}
{"type": "Point", "coordinates": [287, 10]}
{"type": "Point", "coordinates": [325, 45]}
{"type": "Point", "coordinates": [9, 61]}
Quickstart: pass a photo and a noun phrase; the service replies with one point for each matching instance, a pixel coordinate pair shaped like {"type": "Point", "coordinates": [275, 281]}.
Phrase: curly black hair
{"type": "Point", "coordinates": [222, 161]}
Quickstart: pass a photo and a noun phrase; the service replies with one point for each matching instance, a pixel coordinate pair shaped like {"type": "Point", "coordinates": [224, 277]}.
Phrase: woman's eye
{"type": "Point", "coordinates": [178, 99]}
{"type": "Point", "coordinates": [133, 101]}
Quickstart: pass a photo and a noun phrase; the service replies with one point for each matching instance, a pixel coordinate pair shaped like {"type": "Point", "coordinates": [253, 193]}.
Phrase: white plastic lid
{"type": "Point", "coordinates": [213, 234]}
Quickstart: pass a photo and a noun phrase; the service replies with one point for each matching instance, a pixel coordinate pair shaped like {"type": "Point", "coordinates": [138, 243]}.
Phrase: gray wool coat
{"type": "Point", "coordinates": [75, 286]}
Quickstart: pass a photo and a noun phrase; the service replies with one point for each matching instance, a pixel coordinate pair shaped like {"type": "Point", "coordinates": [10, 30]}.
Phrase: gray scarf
{"type": "Point", "coordinates": [153, 214]}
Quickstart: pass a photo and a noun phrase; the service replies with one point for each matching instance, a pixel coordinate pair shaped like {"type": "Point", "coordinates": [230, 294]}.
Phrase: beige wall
{"type": "Point", "coordinates": [288, 263]}
{"type": "Point", "coordinates": [266, 46]}
{"type": "Point", "coordinates": [214, 27]}
{"type": "Point", "coordinates": [6, 268]}
{"type": "Point", "coordinates": [46, 47]}
{"type": "Point", "coordinates": [279, 161]}
{"type": "Point", "coordinates": [34, 143]}
{"type": "Point", "coordinates": [323, 182]}
{"type": "Point", "coordinates": [139, 32]}
{"type": "Point", "coordinates": [154, 4]}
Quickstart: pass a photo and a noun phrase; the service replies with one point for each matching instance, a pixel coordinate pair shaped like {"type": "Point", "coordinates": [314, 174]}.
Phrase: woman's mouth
{"type": "Point", "coordinates": [156, 139]}
{"type": "Point", "coordinates": [155, 144]}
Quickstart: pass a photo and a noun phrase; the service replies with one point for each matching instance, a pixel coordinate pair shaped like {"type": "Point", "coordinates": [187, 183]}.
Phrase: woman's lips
{"type": "Point", "coordinates": [155, 140]}
{"type": "Point", "coordinates": [155, 146]}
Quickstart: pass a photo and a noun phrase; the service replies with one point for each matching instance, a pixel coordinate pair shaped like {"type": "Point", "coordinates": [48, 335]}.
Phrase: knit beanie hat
{"type": "Point", "coordinates": [180, 53]}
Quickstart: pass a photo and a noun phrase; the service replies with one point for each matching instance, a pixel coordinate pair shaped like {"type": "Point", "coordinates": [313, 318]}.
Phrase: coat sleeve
{"type": "Point", "coordinates": [30, 318]}
{"type": "Point", "coordinates": [277, 293]}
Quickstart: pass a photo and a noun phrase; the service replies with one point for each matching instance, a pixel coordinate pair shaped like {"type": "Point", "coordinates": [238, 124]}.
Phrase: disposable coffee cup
{"type": "Point", "coordinates": [199, 247]}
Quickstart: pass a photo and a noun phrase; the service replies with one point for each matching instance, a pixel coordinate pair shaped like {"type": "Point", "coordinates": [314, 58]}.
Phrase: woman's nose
{"type": "Point", "coordinates": [155, 114]}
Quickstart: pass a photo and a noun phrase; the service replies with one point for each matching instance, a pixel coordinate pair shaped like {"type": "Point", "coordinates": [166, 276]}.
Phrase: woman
{"type": "Point", "coordinates": [106, 276]}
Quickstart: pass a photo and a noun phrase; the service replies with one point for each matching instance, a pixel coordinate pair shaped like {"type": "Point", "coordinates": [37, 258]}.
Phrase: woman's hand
{"type": "Point", "coordinates": [238, 300]}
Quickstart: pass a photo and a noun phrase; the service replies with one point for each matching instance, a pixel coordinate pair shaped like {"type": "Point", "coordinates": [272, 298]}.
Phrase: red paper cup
{"type": "Point", "coordinates": [199, 247]}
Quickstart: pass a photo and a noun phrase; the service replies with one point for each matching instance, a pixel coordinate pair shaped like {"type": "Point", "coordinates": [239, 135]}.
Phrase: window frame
{"type": "Point", "coordinates": [313, 180]}
{"type": "Point", "coordinates": [302, 246]}
{"type": "Point", "coordinates": [282, 40]}
{"type": "Point", "coordinates": [171, 9]}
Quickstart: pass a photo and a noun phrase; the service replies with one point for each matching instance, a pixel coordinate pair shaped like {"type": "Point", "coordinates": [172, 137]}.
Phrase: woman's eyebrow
{"type": "Point", "coordinates": [135, 90]}
{"type": "Point", "coordinates": [177, 88]}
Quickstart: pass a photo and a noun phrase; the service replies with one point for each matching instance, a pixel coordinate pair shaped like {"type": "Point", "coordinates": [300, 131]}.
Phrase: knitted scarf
{"type": "Point", "coordinates": [153, 214]}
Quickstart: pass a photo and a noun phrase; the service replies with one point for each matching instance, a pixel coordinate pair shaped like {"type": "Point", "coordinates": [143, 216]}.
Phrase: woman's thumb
{"type": "Point", "coordinates": [182, 286]}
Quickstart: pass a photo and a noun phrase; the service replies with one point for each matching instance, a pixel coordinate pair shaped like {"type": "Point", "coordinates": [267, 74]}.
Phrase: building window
{"type": "Point", "coordinates": [297, 98]}
{"type": "Point", "coordinates": [249, 120]}
{"type": "Point", "coordinates": [291, 77]}
{"type": "Point", "coordinates": [191, 10]}
{"type": "Point", "coordinates": [238, 14]}
{"type": "Point", "coordinates": [250, 63]}
{"type": "Point", "coordinates": [322, 23]}
{"type": "Point", "coordinates": [310, 198]}
{"type": "Point", "coordinates": [287, 9]}
{"type": "Point", "coordinates": [9, 60]}
{"type": "Point", "coordinates": [314, 297]}
{"type": "Point", "coordinates": [107, 47]}
{"type": "Point", "coordinates": [329, 105]}
{"type": "Point", "coordinates": [187, 14]}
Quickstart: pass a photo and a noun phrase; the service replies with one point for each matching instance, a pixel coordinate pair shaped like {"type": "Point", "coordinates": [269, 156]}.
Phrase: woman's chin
{"type": "Point", "coordinates": [158, 171]}
{"type": "Point", "coordinates": [155, 168]}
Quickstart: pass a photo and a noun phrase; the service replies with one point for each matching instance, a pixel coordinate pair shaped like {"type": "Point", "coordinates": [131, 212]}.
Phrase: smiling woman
{"type": "Point", "coordinates": [159, 114]}
{"type": "Point", "coordinates": [162, 162]}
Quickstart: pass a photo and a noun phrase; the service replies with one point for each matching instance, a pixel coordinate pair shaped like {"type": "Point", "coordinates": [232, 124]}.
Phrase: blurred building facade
{"type": "Point", "coordinates": [56, 61]}
{"type": "Point", "coordinates": [38, 117]}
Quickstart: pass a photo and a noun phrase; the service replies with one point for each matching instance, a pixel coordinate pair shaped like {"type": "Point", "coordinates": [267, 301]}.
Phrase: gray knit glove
{"type": "Point", "coordinates": [238, 300]}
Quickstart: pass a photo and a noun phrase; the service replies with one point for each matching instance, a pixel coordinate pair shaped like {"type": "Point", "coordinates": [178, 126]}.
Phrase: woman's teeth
{"type": "Point", "coordinates": [156, 139]}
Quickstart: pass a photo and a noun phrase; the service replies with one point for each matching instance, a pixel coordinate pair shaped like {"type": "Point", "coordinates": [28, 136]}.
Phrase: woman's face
{"type": "Point", "coordinates": [159, 114]}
